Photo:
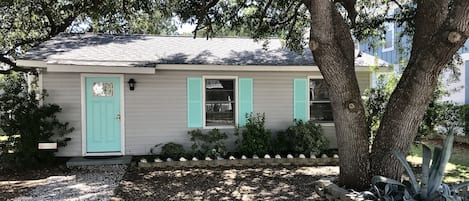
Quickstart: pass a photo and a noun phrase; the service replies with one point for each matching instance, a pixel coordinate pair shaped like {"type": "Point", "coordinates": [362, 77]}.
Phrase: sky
{"type": "Point", "coordinates": [185, 28]}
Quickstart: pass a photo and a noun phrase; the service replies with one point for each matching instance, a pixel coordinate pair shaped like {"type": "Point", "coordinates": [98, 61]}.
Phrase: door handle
{"type": "Point", "coordinates": [118, 117]}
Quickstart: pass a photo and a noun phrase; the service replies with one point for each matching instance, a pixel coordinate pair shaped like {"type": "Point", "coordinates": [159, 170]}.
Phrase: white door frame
{"type": "Point", "coordinates": [83, 114]}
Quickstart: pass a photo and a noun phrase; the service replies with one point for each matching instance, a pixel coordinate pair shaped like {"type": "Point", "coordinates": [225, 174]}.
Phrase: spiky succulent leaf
{"type": "Point", "coordinates": [380, 179]}
{"type": "Point", "coordinates": [440, 160]}
{"type": "Point", "coordinates": [433, 185]}
{"type": "Point", "coordinates": [408, 169]}
{"type": "Point", "coordinates": [461, 185]}
{"type": "Point", "coordinates": [426, 156]}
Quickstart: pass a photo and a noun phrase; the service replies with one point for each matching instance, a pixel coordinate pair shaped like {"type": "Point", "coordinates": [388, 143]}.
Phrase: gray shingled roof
{"type": "Point", "coordinates": [147, 50]}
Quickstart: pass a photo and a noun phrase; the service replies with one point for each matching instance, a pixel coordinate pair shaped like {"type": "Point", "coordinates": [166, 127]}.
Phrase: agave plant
{"type": "Point", "coordinates": [430, 187]}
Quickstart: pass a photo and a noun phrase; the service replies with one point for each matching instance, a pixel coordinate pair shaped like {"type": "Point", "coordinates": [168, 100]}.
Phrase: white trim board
{"type": "Point", "coordinates": [181, 67]}
{"type": "Point", "coordinates": [83, 114]}
{"type": "Point", "coordinates": [245, 68]}
{"type": "Point", "coordinates": [100, 69]}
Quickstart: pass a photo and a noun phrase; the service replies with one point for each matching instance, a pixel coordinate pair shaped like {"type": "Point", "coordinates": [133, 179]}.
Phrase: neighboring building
{"type": "Point", "coordinates": [181, 84]}
{"type": "Point", "coordinates": [393, 49]}
{"type": "Point", "coordinates": [459, 89]}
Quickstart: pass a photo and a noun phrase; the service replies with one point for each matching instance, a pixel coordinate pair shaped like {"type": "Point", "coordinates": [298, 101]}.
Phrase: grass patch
{"type": "Point", "coordinates": [457, 169]}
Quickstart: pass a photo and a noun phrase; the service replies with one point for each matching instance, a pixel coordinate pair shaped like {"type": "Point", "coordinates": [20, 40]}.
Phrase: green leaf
{"type": "Point", "coordinates": [461, 185]}
{"type": "Point", "coordinates": [441, 158]}
{"type": "Point", "coordinates": [426, 156]}
{"type": "Point", "coordinates": [380, 179]}
{"type": "Point", "coordinates": [412, 178]}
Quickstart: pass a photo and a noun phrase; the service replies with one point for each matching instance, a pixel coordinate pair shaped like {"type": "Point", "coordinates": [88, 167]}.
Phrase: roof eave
{"type": "Point", "coordinates": [104, 67]}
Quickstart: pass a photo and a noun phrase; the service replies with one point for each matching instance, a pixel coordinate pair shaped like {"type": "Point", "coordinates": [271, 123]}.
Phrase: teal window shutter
{"type": "Point", "coordinates": [300, 99]}
{"type": "Point", "coordinates": [245, 98]}
{"type": "Point", "coordinates": [194, 102]}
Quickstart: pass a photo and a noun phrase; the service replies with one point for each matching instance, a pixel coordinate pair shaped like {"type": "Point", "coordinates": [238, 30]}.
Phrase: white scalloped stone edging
{"type": "Point", "coordinates": [243, 161]}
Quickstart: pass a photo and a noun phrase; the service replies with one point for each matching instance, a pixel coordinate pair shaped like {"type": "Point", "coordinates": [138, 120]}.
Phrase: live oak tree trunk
{"type": "Point", "coordinates": [333, 49]}
{"type": "Point", "coordinates": [439, 33]}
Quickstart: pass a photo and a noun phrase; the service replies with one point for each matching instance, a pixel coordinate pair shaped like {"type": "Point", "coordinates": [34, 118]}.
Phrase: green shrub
{"type": "Point", "coordinates": [303, 138]}
{"type": "Point", "coordinates": [211, 144]}
{"type": "Point", "coordinates": [465, 119]}
{"type": "Point", "coordinates": [173, 150]}
{"type": "Point", "coordinates": [26, 122]}
{"type": "Point", "coordinates": [443, 115]}
{"type": "Point", "coordinates": [255, 139]}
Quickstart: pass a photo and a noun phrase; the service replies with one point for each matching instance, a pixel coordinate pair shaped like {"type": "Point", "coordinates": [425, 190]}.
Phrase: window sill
{"type": "Point", "coordinates": [325, 123]}
{"type": "Point", "coordinates": [219, 127]}
{"type": "Point", "coordinates": [389, 49]}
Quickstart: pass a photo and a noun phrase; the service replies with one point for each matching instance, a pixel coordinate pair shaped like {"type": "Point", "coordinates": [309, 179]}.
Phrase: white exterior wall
{"type": "Point", "coordinates": [156, 111]}
{"type": "Point", "coordinates": [456, 88]}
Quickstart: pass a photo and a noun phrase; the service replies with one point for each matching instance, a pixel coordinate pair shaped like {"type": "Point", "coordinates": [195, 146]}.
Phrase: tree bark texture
{"type": "Point", "coordinates": [439, 33]}
{"type": "Point", "coordinates": [333, 49]}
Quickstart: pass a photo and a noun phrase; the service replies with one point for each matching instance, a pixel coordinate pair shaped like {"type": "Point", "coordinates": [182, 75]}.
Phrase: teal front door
{"type": "Point", "coordinates": [103, 115]}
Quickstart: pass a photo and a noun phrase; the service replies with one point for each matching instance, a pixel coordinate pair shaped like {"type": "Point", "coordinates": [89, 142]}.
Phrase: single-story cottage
{"type": "Point", "coordinates": [124, 94]}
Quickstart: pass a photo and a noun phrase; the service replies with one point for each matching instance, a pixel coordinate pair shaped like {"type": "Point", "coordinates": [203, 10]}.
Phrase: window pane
{"type": "Point", "coordinates": [219, 102]}
{"type": "Point", "coordinates": [318, 90]}
{"type": "Point", "coordinates": [102, 89]}
{"type": "Point", "coordinates": [389, 37]}
{"type": "Point", "coordinates": [320, 106]}
{"type": "Point", "coordinates": [321, 112]}
{"type": "Point", "coordinates": [219, 95]}
{"type": "Point", "coordinates": [219, 114]}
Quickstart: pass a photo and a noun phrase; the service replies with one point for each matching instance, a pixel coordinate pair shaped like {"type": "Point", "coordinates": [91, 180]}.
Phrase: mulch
{"type": "Point", "coordinates": [255, 183]}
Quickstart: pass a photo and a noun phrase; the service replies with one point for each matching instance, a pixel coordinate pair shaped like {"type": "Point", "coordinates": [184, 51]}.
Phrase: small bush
{"type": "Point", "coordinates": [211, 144]}
{"type": "Point", "coordinates": [303, 137]}
{"type": "Point", "coordinates": [26, 122]}
{"type": "Point", "coordinates": [255, 139]}
{"type": "Point", "coordinates": [173, 150]}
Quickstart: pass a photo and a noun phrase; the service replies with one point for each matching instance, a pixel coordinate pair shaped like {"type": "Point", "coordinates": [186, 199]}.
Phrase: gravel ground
{"type": "Point", "coordinates": [84, 183]}
{"type": "Point", "coordinates": [261, 183]}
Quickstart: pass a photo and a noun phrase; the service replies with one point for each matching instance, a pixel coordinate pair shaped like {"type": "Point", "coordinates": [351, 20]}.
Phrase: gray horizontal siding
{"type": "Point", "coordinates": [156, 111]}
{"type": "Point", "coordinates": [64, 89]}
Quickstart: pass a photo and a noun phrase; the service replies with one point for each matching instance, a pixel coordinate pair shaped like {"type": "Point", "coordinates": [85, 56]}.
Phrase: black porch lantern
{"type": "Point", "coordinates": [131, 84]}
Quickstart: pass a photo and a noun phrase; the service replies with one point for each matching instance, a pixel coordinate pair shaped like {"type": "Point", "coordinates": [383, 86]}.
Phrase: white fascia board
{"type": "Point", "coordinates": [248, 68]}
{"type": "Point", "coordinates": [84, 68]}
{"type": "Point", "coordinates": [100, 69]}
{"type": "Point", "coordinates": [182, 67]}
{"type": "Point", "coordinates": [201, 67]}
{"type": "Point", "coordinates": [31, 63]}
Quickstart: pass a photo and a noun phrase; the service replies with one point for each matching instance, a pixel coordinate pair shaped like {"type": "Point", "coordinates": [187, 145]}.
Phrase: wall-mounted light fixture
{"type": "Point", "coordinates": [132, 84]}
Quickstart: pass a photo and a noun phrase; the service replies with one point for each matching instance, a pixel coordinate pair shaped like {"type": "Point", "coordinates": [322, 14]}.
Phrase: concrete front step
{"type": "Point", "coordinates": [81, 161]}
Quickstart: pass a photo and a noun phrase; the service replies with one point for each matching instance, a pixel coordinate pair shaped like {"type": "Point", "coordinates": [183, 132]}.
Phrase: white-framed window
{"type": "Point", "coordinates": [320, 109]}
{"type": "Point", "coordinates": [220, 101]}
{"type": "Point", "coordinates": [388, 44]}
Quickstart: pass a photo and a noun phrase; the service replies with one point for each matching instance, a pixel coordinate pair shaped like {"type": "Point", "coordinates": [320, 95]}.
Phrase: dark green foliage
{"type": "Point", "coordinates": [26, 123]}
{"type": "Point", "coordinates": [430, 187]}
{"type": "Point", "coordinates": [465, 119]}
{"type": "Point", "coordinates": [376, 101]}
{"type": "Point", "coordinates": [255, 139]}
{"type": "Point", "coordinates": [302, 138]}
{"type": "Point", "coordinates": [211, 144]}
{"type": "Point", "coordinates": [173, 150]}
{"type": "Point", "coordinates": [26, 24]}
{"type": "Point", "coordinates": [258, 19]}
{"type": "Point", "coordinates": [442, 115]}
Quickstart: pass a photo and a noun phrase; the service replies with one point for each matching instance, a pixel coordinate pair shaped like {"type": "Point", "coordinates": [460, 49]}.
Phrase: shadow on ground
{"type": "Point", "coordinates": [291, 183]}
